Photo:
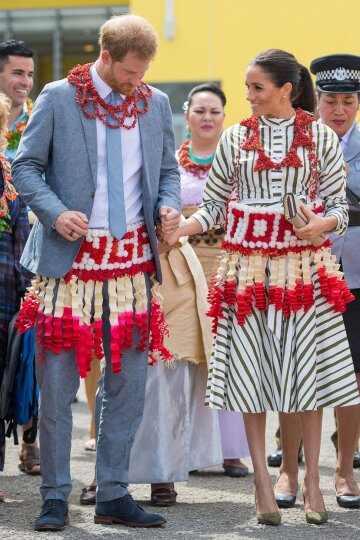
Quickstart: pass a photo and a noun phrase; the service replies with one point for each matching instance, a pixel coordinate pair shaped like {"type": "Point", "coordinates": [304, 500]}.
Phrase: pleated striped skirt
{"type": "Point", "coordinates": [277, 363]}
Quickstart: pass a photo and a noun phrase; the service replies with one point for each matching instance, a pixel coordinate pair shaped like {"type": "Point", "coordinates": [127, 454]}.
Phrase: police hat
{"type": "Point", "coordinates": [337, 73]}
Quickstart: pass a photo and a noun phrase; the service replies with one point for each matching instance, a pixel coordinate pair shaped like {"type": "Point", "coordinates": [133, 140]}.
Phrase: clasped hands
{"type": "Point", "coordinates": [168, 229]}
{"type": "Point", "coordinates": [72, 224]}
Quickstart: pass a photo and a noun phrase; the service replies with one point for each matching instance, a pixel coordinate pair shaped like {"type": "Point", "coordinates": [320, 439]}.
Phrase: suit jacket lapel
{"type": "Point", "coordinates": [89, 126]}
{"type": "Point", "coordinates": [146, 144]}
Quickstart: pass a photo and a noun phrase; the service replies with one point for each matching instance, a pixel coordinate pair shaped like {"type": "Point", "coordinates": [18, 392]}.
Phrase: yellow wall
{"type": "Point", "coordinates": [215, 39]}
{"type": "Point", "coordinates": [51, 4]}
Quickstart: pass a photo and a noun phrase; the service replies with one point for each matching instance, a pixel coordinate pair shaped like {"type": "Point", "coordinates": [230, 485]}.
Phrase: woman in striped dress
{"type": "Point", "coordinates": [280, 342]}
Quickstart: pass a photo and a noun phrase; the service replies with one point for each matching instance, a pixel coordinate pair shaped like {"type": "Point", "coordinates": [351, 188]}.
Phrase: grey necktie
{"type": "Point", "coordinates": [117, 219]}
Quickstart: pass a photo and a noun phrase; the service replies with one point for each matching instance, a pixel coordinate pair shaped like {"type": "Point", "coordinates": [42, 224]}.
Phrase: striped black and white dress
{"type": "Point", "coordinates": [290, 364]}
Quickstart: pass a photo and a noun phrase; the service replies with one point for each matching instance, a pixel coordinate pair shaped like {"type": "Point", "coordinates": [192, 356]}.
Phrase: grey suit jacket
{"type": "Point", "coordinates": [56, 165]}
{"type": "Point", "coordinates": [347, 247]}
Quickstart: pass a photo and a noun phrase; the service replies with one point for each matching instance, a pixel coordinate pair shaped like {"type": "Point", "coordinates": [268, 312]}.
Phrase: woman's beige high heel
{"type": "Point", "coordinates": [270, 518]}
{"type": "Point", "coordinates": [315, 518]}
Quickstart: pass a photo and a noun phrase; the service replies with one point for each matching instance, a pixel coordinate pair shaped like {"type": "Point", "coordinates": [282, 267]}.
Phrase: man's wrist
{"type": "Point", "coordinates": [53, 226]}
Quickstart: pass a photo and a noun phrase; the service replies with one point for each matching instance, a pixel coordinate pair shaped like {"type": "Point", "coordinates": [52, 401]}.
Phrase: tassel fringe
{"type": "Point", "coordinates": [287, 283]}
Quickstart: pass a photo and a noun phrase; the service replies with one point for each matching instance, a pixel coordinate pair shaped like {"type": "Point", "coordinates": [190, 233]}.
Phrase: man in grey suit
{"type": "Point", "coordinates": [96, 165]}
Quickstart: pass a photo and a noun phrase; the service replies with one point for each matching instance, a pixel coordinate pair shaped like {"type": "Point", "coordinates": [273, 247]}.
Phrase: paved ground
{"type": "Point", "coordinates": [210, 505]}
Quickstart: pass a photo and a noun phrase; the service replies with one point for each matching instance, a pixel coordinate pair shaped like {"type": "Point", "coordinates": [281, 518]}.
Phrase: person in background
{"type": "Point", "coordinates": [16, 81]}
{"type": "Point", "coordinates": [338, 88]}
{"type": "Point", "coordinates": [14, 230]}
{"type": "Point", "coordinates": [204, 116]}
{"type": "Point", "coordinates": [92, 250]}
{"type": "Point", "coordinates": [280, 342]}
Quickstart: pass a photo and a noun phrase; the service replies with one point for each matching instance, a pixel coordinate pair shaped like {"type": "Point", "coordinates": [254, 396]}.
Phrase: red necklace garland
{"type": "Point", "coordinates": [87, 97]}
{"type": "Point", "coordinates": [9, 193]}
{"type": "Point", "coordinates": [199, 170]}
{"type": "Point", "coordinates": [303, 136]}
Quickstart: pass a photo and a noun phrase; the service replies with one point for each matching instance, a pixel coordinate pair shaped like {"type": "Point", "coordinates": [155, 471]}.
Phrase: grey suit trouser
{"type": "Point", "coordinates": [121, 413]}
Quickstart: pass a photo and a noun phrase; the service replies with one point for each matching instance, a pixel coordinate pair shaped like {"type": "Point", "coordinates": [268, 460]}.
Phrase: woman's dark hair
{"type": "Point", "coordinates": [207, 87]}
{"type": "Point", "coordinates": [282, 67]}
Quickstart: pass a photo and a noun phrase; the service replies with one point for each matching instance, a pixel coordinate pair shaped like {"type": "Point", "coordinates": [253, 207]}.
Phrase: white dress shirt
{"type": "Point", "coordinates": [131, 162]}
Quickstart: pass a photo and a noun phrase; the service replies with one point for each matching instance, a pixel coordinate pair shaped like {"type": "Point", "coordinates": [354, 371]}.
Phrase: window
{"type": "Point", "coordinates": [60, 38]}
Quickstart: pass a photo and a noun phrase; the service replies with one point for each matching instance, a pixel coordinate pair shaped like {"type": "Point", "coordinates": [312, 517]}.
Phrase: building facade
{"type": "Point", "coordinates": [200, 40]}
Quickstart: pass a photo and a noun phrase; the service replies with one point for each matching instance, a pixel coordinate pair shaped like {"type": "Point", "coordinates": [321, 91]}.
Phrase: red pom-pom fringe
{"type": "Point", "coordinates": [28, 313]}
{"type": "Point", "coordinates": [288, 300]}
{"type": "Point", "coordinates": [215, 299]}
{"type": "Point", "coordinates": [63, 333]}
{"type": "Point", "coordinates": [334, 290]}
{"type": "Point", "coordinates": [244, 304]}
{"type": "Point", "coordinates": [158, 331]}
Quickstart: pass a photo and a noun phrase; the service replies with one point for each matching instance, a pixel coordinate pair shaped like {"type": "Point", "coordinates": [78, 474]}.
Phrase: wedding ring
{"type": "Point", "coordinates": [71, 233]}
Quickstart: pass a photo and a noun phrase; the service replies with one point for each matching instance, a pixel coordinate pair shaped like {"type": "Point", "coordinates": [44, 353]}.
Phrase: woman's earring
{"type": "Point", "coordinates": [188, 133]}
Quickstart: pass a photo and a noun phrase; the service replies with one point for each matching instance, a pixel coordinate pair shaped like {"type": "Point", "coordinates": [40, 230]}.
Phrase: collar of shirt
{"type": "Point", "coordinates": [103, 89]}
{"type": "Point", "coordinates": [345, 138]}
{"type": "Point", "coordinates": [131, 161]}
{"type": "Point", "coordinates": [19, 118]}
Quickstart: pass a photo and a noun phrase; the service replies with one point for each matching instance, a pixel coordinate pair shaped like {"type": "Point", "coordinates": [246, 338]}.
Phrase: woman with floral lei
{"type": "Point", "coordinates": [14, 230]}
{"type": "Point", "coordinates": [276, 299]}
{"type": "Point", "coordinates": [204, 115]}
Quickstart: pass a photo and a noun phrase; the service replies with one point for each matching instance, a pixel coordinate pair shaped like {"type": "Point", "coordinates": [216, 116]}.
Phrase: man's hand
{"type": "Point", "coordinates": [170, 220]}
{"type": "Point", "coordinates": [72, 224]}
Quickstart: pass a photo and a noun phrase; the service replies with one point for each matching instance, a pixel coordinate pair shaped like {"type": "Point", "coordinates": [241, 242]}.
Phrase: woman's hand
{"type": "Point", "coordinates": [316, 225]}
{"type": "Point", "coordinates": [166, 240]}
{"type": "Point", "coordinates": [163, 248]}
{"type": "Point", "coordinates": [187, 227]}
{"type": "Point", "coordinates": [170, 239]}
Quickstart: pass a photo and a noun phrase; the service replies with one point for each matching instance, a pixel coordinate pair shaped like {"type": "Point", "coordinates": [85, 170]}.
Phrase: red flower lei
{"type": "Point", "coordinates": [9, 193]}
{"type": "Point", "coordinates": [303, 136]}
{"type": "Point", "coordinates": [197, 169]}
{"type": "Point", "coordinates": [87, 97]}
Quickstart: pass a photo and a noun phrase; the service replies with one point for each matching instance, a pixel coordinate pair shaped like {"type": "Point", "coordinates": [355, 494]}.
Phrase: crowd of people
{"type": "Point", "coordinates": [254, 226]}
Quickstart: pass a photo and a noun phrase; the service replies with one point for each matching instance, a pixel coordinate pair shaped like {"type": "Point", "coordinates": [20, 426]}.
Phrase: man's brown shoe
{"type": "Point", "coordinates": [88, 495]}
{"type": "Point", "coordinates": [163, 497]}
